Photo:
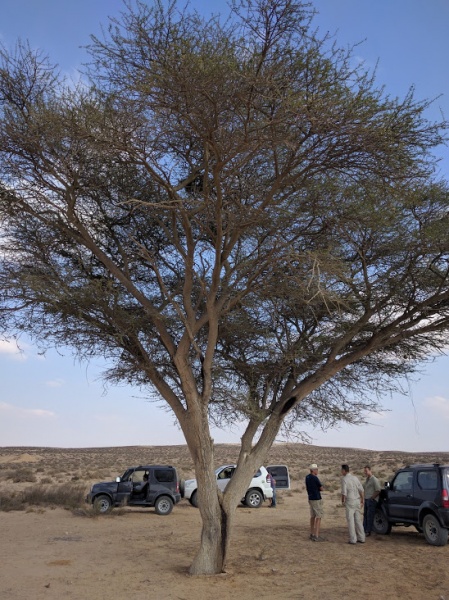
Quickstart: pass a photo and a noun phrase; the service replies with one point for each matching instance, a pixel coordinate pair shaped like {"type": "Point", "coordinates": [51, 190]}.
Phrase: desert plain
{"type": "Point", "coordinates": [54, 547]}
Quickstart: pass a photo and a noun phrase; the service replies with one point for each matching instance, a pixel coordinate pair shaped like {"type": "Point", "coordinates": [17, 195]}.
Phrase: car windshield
{"type": "Point", "coordinates": [126, 475]}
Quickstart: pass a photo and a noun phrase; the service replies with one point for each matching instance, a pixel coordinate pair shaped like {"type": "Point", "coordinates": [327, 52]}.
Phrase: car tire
{"type": "Point", "coordinates": [380, 523]}
{"type": "Point", "coordinates": [163, 505]}
{"type": "Point", "coordinates": [194, 499]}
{"type": "Point", "coordinates": [435, 534]}
{"type": "Point", "coordinates": [102, 504]}
{"type": "Point", "coordinates": [182, 487]}
{"type": "Point", "coordinates": [253, 498]}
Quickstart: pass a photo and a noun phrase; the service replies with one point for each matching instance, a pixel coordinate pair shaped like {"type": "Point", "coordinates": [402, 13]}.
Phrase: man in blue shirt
{"type": "Point", "coordinates": [314, 488]}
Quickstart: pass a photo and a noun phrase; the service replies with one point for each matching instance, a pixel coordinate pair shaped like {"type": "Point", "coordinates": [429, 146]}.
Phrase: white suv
{"type": "Point", "coordinates": [258, 491]}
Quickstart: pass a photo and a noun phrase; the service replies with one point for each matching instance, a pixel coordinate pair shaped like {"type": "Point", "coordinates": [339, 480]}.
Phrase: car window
{"type": "Point", "coordinates": [164, 475]}
{"type": "Point", "coordinates": [226, 473]}
{"type": "Point", "coordinates": [403, 481]}
{"type": "Point", "coordinates": [446, 479]}
{"type": "Point", "coordinates": [138, 475]}
{"type": "Point", "coordinates": [427, 480]}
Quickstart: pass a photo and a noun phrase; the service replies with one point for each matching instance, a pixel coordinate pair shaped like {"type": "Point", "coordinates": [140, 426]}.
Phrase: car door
{"type": "Point", "coordinates": [281, 476]}
{"type": "Point", "coordinates": [400, 496]}
{"type": "Point", "coordinates": [139, 486]}
{"type": "Point", "coordinates": [224, 476]}
{"type": "Point", "coordinates": [162, 481]}
{"type": "Point", "coordinates": [125, 486]}
{"type": "Point", "coordinates": [426, 490]}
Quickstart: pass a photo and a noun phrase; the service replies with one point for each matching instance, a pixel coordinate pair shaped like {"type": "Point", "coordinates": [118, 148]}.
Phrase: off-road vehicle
{"type": "Point", "coordinates": [144, 486]}
{"type": "Point", "coordinates": [259, 489]}
{"type": "Point", "coordinates": [417, 495]}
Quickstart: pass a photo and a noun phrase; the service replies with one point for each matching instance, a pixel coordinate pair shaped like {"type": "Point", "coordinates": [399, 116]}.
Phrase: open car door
{"type": "Point", "coordinates": [281, 475]}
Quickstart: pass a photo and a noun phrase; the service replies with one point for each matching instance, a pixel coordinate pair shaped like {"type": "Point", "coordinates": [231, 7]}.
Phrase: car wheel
{"type": "Point", "coordinates": [433, 532]}
{"type": "Point", "coordinates": [164, 505]}
{"type": "Point", "coordinates": [102, 504]}
{"type": "Point", "coordinates": [253, 498]}
{"type": "Point", "coordinates": [380, 523]}
{"type": "Point", "coordinates": [194, 499]}
{"type": "Point", "coordinates": [182, 487]}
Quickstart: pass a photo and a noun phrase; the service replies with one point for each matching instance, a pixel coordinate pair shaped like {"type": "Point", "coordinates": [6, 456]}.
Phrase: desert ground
{"type": "Point", "coordinates": [53, 546]}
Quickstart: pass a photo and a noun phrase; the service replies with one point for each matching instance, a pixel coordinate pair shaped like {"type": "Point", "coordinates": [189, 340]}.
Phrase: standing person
{"type": "Point", "coordinates": [272, 481]}
{"type": "Point", "coordinates": [352, 497]}
{"type": "Point", "coordinates": [314, 489]}
{"type": "Point", "coordinates": [371, 487]}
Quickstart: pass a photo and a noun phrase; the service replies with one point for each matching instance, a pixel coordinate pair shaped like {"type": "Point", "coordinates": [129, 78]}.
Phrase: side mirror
{"type": "Point", "coordinates": [117, 479]}
{"type": "Point", "coordinates": [387, 485]}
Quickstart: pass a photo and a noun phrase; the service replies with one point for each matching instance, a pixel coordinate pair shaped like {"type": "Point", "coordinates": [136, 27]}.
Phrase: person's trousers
{"type": "Point", "coordinates": [355, 521]}
{"type": "Point", "coordinates": [368, 514]}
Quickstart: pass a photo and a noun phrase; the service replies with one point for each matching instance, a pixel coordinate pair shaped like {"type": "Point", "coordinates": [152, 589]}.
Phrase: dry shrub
{"type": "Point", "coordinates": [67, 496]}
{"type": "Point", "coordinates": [24, 475]}
{"type": "Point", "coordinates": [11, 502]}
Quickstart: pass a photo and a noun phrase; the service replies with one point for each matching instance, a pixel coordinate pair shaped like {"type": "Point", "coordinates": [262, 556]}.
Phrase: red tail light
{"type": "Point", "coordinates": [445, 498]}
{"type": "Point", "coordinates": [177, 488]}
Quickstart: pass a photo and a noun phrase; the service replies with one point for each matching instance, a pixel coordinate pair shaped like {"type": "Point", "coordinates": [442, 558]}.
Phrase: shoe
{"type": "Point", "coordinates": [352, 543]}
{"type": "Point", "coordinates": [360, 541]}
{"type": "Point", "coordinates": [368, 534]}
{"type": "Point", "coordinates": [312, 537]}
{"type": "Point", "coordinates": [320, 539]}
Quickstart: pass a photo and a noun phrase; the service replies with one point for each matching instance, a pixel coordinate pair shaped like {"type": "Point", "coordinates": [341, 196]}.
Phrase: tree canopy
{"type": "Point", "coordinates": [232, 214]}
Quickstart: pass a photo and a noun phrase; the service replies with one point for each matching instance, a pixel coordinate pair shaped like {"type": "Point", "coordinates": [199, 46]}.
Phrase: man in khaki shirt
{"type": "Point", "coordinates": [352, 497]}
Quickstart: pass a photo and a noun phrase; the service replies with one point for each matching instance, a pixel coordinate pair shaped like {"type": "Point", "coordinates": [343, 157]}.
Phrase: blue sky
{"type": "Point", "coordinates": [53, 400]}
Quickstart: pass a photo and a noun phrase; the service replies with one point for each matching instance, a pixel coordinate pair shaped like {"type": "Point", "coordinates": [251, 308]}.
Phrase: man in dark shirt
{"type": "Point", "coordinates": [314, 488]}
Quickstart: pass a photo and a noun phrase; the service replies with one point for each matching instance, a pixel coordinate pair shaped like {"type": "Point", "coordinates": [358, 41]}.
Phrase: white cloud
{"type": "Point", "coordinates": [16, 411]}
{"type": "Point", "coordinates": [439, 405]}
{"type": "Point", "coordinates": [55, 383]}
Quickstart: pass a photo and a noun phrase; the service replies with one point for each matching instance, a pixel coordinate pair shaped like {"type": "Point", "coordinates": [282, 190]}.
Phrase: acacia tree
{"type": "Point", "coordinates": [233, 216]}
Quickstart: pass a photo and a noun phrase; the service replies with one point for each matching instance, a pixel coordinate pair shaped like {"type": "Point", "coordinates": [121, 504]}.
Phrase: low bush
{"type": "Point", "coordinates": [24, 476]}
{"type": "Point", "coordinates": [66, 496]}
{"type": "Point", "coordinates": [11, 502]}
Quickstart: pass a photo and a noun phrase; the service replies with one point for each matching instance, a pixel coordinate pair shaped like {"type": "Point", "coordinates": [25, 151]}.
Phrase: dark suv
{"type": "Point", "coordinates": [144, 486]}
{"type": "Point", "coordinates": [417, 495]}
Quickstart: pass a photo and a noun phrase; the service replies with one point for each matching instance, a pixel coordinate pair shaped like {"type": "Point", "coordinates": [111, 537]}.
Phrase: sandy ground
{"type": "Point", "coordinates": [59, 554]}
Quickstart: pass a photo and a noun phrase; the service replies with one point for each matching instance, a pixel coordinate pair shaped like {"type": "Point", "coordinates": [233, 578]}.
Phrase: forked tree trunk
{"type": "Point", "coordinates": [217, 509]}
{"type": "Point", "coordinates": [216, 514]}
{"type": "Point", "coordinates": [215, 535]}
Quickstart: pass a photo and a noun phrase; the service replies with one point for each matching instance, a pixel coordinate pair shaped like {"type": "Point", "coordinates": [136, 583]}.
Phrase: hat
{"type": "Point", "coordinates": [313, 466]}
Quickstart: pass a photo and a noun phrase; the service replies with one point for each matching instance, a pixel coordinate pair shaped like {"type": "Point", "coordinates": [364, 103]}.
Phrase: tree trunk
{"type": "Point", "coordinates": [218, 509]}
{"type": "Point", "coordinates": [215, 535]}
{"type": "Point", "coordinates": [211, 555]}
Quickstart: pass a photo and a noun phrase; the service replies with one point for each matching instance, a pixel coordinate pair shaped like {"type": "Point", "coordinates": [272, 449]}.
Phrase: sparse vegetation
{"type": "Point", "coordinates": [58, 483]}
{"type": "Point", "coordinates": [66, 495]}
